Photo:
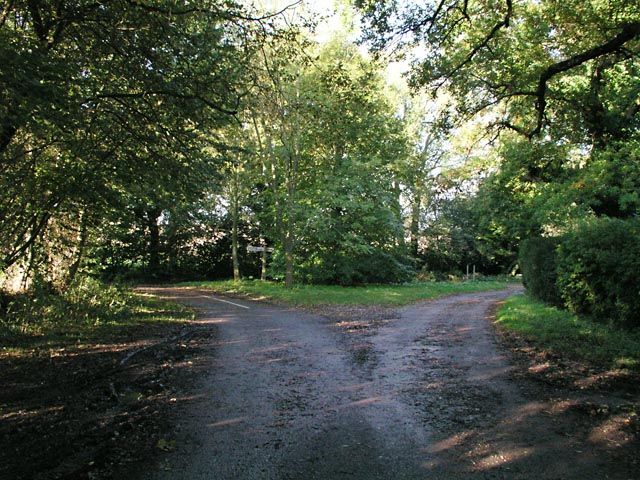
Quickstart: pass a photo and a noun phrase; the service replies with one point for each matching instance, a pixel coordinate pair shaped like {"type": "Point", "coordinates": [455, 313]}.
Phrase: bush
{"type": "Point", "coordinates": [538, 265]}
{"type": "Point", "coordinates": [598, 264]}
{"type": "Point", "coordinates": [88, 303]}
{"type": "Point", "coordinates": [367, 268]}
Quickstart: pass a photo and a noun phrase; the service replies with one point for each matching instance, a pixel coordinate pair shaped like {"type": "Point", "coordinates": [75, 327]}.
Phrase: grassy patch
{"type": "Point", "coordinates": [90, 313]}
{"type": "Point", "coordinates": [313, 295]}
{"type": "Point", "coordinates": [568, 336]}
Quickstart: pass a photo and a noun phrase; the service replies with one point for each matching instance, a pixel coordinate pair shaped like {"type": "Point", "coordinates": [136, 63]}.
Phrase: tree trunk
{"type": "Point", "coordinates": [234, 229]}
{"type": "Point", "coordinates": [288, 263]}
{"type": "Point", "coordinates": [414, 229]}
{"type": "Point", "coordinates": [263, 259]}
{"type": "Point", "coordinates": [154, 240]}
{"type": "Point", "coordinates": [78, 254]}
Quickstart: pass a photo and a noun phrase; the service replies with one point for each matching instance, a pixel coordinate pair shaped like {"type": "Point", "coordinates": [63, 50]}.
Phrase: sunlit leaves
{"type": "Point", "coordinates": [104, 104]}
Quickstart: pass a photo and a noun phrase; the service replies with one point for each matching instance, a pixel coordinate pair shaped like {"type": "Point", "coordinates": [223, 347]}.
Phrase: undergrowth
{"type": "Point", "coordinates": [570, 336]}
{"type": "Point", "coordinates": [90, 311]}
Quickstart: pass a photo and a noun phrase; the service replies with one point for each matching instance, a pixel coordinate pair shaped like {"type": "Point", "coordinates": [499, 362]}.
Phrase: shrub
{"type": "Point", "coordinates": [88, 303]}
{"type": "Point", "coordinates": [366, 268]}
{"type": "Point", "coordinates": [538, 265]}
{"type": "Point", "coordinates": [598, 264]}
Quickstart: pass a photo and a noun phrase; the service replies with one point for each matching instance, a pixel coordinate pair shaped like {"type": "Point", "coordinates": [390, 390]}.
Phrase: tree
{"type": "Point", "coordinates": [520, 59]}
{"type": "Point", "coordinates": [557, 85]}
{"type": "Point", "coordinates": [102, 102]}
{"type": "Point", "coordinates": [326, 141]}
{"type": "Point", "coordinates": [353, 218]}
{"type": "Point", "coordinates": [274, 117]}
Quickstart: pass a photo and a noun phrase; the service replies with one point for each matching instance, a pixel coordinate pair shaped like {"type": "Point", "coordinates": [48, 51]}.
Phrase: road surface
{"type": "Point", "coordinates": [425, 393]}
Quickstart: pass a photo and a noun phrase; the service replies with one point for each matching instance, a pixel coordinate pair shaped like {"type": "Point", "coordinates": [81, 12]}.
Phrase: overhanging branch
{"type": "Point", "coordinates": [628, 32]}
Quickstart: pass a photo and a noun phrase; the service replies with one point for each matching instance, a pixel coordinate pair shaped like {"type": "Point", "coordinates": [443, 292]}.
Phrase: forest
{"type": "Point", "coordinates": [164, 140]}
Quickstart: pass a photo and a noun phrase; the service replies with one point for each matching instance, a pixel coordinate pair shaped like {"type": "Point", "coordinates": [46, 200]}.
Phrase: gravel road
{"type": "Point", "coordinates": [423, 392]}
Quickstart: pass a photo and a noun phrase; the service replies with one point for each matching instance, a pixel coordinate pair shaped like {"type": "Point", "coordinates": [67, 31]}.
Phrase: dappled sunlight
{"type": "Point", "coordinates": [465, 330]}
{"type": "Point", "coordinates": [488, 374]}
{"type": "Point", "coordinates": [362, 403]}
{"type": "Point", "coordinates": [613, 376]}
{"type": "Point", "coordinates": [228, 422]}
{"type": "Point", "coordinates": [501, 458]}
{"type": "Point", "coordinates": [521, 414]}
{"type": "Point", "coordinates": [471, 301]}
{"type": "Point", "coordinates": [612, 432]}
{"type": "Point", "coordinates": [266, 355]}
{"type": "Point", "coordinates": [448, 443]}
{"type": "Point", "coordinates": [432, 393]}
{"type": "Point", "coordinates": [431, 386]}
{"type": "Point", "coordinates": [26, 413]}
{"type": "Point", "coordinates": [240, 341]}
{"type": "Point", "coordinates": [185, 398]}
{"type": "Point", "coordinates": [276, 348]}
{"type": "Point", "coordinates": [540, 367]}
{"type": "Point", "coordinates": [354, 387]}
{"type": "Point", "coordinates": [205, 320]}
{"type": "Point", "coordinates": [272, 360]}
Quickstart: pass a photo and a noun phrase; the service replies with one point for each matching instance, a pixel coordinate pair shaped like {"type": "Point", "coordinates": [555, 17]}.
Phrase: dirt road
{"type": "Point", "coordinates": [424, 392]}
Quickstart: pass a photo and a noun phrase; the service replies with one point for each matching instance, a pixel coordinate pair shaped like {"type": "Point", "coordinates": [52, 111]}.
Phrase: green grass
{"type": "Point", "coordinates": [314, 295]}
{"type": "Point", "coordinates": [90, 313]}
{"type": "Point", "coordinates": [564, 334]}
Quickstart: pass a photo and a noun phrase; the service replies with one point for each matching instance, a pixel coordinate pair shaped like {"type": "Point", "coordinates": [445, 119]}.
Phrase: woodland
{"type": "Point", "coordinates": [161, 140]}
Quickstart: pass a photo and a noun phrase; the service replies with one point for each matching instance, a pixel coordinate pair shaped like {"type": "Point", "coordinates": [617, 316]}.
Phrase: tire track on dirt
{"type": "Point", "coordinates": [426, 393]}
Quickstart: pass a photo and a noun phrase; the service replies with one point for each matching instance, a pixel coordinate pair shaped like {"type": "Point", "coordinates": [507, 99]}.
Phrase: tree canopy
{"type": "Point", "coordinates": [531, 63]}
{"type": "Point", "coordinates": [165, 139]}
{"type": "Point", "coordinates": [103, 105]}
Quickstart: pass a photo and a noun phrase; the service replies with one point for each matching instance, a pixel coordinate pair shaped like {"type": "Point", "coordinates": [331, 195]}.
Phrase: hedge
{"type": "Point", "coordinates": [598, 270]}
{"type": "Point", "coordinates": [538, 265]}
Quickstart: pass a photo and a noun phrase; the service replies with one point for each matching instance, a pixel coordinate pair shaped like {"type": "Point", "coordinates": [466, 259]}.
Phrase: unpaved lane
{"type": "Point", "coordinates": [289, 395]}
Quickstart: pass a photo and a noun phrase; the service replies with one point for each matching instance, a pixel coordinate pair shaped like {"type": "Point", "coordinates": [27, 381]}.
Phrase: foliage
{"type": "Point", "coordinates": [561, 333]}
{"type": "Point", "coordinates": [324, 183]}
{"type": "Point", "coordinates": [317, 295]}
{"type": "Point", "coordinates": [556, 85]}
{"type": "Point", "coordinates": [598, 263]}
{"type": "Point", "coordinates": [539, 270]}
{"type": "Point", "coordinates": [103, 108]}
{"type": "Point", "coordinates": [531, 63]}
{"type": "Point", "coordinates": [88, 311]}
{"type": "Point", "coordinates": [609, 183]}
{"type": "Point", "coordinates": [368, 267]}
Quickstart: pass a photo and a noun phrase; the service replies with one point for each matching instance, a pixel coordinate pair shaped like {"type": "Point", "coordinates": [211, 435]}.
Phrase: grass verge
{"type": "Point", "coordinates": [89, 313]}
{"type": "Point", "coordinates": [315, 295]}
{"type": "Point", "coordinates": [568, 336]}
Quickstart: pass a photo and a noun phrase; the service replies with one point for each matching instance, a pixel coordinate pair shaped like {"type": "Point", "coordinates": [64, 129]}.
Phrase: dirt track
{"type": "Point", "coordinates": [421, 393]}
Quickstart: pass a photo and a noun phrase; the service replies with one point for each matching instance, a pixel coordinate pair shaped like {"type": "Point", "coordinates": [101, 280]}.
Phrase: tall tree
{"type": "Point", "coordinates": [354, 226]}
{"type": "Point", "coordinates": [326, 142]}
{"type": "Point", "coordinates": [558, 81]}
{"type": "Point", "coordinates": [103, 101]}
{"type": "Point", "coordinates": [274, 117]}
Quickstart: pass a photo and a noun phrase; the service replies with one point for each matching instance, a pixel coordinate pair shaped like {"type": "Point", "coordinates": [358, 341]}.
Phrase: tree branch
{"type": "Point", "coordinates": [165, 93]}
{"type": "Point", "coordinates": [628, 32]}
{"type": "Point", "coordinates": [504, 23]}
